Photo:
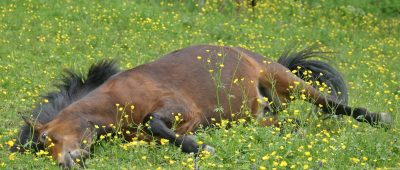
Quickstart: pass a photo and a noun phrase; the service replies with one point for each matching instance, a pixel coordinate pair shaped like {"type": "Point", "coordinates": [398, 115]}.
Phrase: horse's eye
{"type": "Point", "coordinates": [43, 136]}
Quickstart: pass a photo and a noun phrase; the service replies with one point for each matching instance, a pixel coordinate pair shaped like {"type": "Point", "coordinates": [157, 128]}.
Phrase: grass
{"type": "Point", "coordinates": [40, 38]}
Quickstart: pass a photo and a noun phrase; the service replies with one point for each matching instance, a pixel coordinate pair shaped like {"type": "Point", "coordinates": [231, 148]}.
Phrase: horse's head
{"type": "Point", "coordinates": [68, 142]}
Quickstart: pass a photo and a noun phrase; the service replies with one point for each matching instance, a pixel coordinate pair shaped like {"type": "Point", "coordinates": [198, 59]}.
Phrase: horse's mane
{"type": "Point", "coordinates": [73, 86]}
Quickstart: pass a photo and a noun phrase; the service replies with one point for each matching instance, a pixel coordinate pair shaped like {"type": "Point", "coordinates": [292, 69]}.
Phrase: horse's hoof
{"type": "Point", "coordinates": [385, 119]}
{"type": "Point", "coordinates": [209, 149]}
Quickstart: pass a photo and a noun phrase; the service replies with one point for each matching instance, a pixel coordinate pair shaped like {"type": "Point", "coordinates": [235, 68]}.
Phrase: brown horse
{"type": "Point", "coordinates": [205, 84]}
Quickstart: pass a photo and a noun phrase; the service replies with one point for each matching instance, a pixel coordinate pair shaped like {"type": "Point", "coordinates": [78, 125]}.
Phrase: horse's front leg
{"type": "Point", "coordinates": [157, 125]}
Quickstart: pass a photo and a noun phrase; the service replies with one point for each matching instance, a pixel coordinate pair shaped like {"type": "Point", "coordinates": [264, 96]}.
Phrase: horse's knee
{"type": "Point", "coordinates": [158, 128]}
{"type": "Point", "coordinates": [154, 125]}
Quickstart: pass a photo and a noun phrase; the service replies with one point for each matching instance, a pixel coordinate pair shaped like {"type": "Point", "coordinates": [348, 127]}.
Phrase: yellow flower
{"type": "Point", "coordinates": [355, 160]}
{"type": "Point", "coordinates": [325, 140]}
{"type": "Point", "coordinates": [10, 143]}
{"type": "Point", "coordinates": [307, 153]}
{"type": "Point", "coordinates": [303, 96]}
{"type": "Point", "coordinates": [42, 152]}
{"type": "Point", "coordinates": [164, 141]}
{"type": "Point", "coordinates": [51, 145]}
{"type": "Point", "coordinates": [283, 164]}
{"type": "Point", "coordinates": [11, 157]}
{"type": "Point", "coordinates": [266, 157]}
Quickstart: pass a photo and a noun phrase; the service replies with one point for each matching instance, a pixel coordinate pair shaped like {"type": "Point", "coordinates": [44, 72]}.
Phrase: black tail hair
{"type": "Point", "coordinates": [321, 71]}
{"type": "Point", "coordinates": [73, 86]}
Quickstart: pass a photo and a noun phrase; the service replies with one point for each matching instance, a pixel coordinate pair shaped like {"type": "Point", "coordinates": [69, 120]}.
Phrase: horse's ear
{"type": "Point", "coordinates": [37, 126]}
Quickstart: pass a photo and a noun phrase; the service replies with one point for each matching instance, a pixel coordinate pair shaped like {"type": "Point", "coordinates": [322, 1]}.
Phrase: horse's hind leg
{"type": "Point", "coordinates": [157, 126]}
{"type": "Point", "coordinates": [284, 81]}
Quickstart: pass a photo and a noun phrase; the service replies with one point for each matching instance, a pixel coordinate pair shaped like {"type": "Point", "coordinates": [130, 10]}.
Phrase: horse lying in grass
{"type": "Point", "coordinates": [205, 84]}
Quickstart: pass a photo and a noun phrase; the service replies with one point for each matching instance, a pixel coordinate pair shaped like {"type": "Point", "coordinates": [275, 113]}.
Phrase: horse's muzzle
{"type": "Point", "coordinates": [71, 158]}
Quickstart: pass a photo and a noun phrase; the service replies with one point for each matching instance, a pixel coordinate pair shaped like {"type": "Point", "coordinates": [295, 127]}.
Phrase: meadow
{"type": "Point", "coordinates": [41, 38]}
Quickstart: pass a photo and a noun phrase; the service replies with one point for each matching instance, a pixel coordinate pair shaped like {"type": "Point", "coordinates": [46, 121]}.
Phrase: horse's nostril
{"type": "Point", "coordinates": [79, 153]}
{"type": "Point", "coordinates": [78, 156]}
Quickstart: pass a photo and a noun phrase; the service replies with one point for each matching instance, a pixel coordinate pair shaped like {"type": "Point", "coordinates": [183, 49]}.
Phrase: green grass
{"type": "Point", "coordinates": [40, 38]}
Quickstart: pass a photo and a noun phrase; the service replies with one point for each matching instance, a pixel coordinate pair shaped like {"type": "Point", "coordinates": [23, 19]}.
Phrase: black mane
{"type": "Point", "coordinates": [73, 86]}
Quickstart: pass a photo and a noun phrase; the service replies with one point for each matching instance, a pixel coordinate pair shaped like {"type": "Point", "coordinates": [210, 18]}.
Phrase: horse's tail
{"type": "Point", "coordinates": [73, 86]}
{"type": "Point", "coordinates": [315, 70]}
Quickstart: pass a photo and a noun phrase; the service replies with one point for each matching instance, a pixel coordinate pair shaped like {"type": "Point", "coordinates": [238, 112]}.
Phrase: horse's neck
{"type": "Point", "coordinates": [96, 109]}
{"type": "Point", "coordinates": [115, 103]}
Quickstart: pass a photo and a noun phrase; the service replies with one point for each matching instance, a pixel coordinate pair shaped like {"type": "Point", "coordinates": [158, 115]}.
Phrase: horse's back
{"type": "Point", "coordinates": [213, 81]}
{"type": "Point", "coordinates": [203, 72]}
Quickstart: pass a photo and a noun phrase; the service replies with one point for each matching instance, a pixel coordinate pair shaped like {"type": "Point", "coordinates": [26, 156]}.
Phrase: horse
{"type": "Point", "coordinates": [203, 84]}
